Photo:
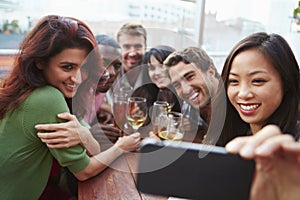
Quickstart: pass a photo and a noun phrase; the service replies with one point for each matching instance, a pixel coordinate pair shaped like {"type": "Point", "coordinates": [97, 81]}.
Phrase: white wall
{"type": "Point", "coordinates": [294, 41]}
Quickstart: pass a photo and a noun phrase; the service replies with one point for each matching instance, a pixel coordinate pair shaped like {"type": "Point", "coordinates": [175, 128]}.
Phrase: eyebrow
{"type": "Point", "coordinates": [188, 73]}
{"type": "Point", "coordinates": [68, 63]}
{"type": "Point", "coordinates": [251, 73]}
{"type": "Point", "coordinates": [183, 77]}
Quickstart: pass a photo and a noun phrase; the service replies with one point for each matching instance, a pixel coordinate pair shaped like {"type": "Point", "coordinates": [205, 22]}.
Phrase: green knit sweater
{"type": "Point", "coordinates": [25, 161]}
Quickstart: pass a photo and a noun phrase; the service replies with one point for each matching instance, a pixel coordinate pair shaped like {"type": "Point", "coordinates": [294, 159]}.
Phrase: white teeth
{"type": "Point", "coordinates": [194, 96]}
{"type": "Point", "coordinates": [159, 80]}
{"type": "Point", "coordinates": [71, 85]}
{"type": "Point", "coordinates": [249, 107]}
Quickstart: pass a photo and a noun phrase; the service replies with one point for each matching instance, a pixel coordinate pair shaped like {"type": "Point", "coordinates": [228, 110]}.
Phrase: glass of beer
{"type": "Point", "coordinates": [120, 97]}
{"type": "Point", "coordinates": [119, 110]}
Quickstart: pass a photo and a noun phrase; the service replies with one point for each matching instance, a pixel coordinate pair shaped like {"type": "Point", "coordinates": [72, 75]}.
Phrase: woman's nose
{"type": "Point", "coordinates": [245, 92]}
{"type": "Point", "coordinates": [77, 77]}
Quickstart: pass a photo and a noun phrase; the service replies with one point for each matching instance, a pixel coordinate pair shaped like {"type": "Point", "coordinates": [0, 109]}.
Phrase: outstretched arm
{"type": "Point", "coordinates": [72, 133]}
{"type": "Point", "coordinates": [100, 161]}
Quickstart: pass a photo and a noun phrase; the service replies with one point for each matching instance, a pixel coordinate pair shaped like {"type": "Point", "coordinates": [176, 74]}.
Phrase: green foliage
{"type": "Point", "coordinates": [11, 27]}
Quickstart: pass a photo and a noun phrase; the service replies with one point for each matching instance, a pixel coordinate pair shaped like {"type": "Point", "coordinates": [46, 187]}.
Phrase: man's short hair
{"type": "Point", "coordinates": [132, 28]}
{"type": "Point", "coordinates": [193, 55]}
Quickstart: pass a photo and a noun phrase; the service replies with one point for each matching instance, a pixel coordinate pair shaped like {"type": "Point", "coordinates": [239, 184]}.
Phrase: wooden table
{"type": "Point", "coordinates": [117, 182]}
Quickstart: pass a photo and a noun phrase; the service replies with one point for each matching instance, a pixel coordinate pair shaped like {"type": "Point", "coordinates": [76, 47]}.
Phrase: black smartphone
{"type": "Point", "coordinates": [193, 171]}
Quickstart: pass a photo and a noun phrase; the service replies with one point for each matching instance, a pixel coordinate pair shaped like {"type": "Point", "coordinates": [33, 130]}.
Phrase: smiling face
{"type": "Point", "coordinates": [158, 73]}
{"type": "Point", "coordinates": [254, 88]}
{"type": "Point", "coordinates": [63, 71]}
{"type": "Point", "coordinates": [112, 62]}
{"type": "Point", "coordinates": [133, 48]}
{"type": "Point", "coordinates": [191, 84]}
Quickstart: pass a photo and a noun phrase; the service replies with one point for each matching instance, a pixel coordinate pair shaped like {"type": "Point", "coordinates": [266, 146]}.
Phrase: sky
{"type": "Point", "coordinates": [273, 13]}
{"type": "Point", "coordinates": [256, 10]}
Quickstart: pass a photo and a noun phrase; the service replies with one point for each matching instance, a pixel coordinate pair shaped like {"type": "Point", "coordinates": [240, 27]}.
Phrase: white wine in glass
{"type": "Point", "coordinates": [136, 113]}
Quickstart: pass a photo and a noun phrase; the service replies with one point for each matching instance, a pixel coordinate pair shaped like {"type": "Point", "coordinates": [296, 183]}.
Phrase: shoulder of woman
{"type": "Point", "coordinates": [47, 91]}
{"type": "Point", "coordinates": [42, 107]}
{"type": "Point", "coordinates": [46, 99]}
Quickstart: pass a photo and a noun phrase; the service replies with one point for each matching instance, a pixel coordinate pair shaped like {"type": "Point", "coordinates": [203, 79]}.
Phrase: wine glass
{"type": "Point", "coordinates": [158, 116]}
{"type": "Point", "coordinates": [174, 129]}
{"type": "Point", "coordinates": [136, 113]}
{"type": "Point", "coordinates": [120, 97]}
{"type": "Point", "coordinates": [168, 96]}
{"type": "Point", "coordinates": [119, 110]}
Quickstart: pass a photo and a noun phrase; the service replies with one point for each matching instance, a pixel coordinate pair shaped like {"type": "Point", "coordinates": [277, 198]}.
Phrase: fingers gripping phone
{"type": "Point", "coordinates": [194, 171]}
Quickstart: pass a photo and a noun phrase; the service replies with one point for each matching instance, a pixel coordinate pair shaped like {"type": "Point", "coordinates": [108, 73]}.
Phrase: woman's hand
{"type": "Point", "coordinates": [277, 158]}
{"type": "Point", "coordinates": [129, 143]}
{"type": "Point", "coordinates": [65, 135]}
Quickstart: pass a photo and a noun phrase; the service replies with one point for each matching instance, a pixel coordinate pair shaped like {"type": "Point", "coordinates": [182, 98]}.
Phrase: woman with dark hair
{"type": "Point", "coordinates": [275, 53]}
{"type": "Point", "coordinates": [55, 58]}
{"type": "Point", "coordinates": [154, 58]}
{"type": "Point", "coordinates": [261, 80]}
{"type": "Point", "coordinates": [158, 73]}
